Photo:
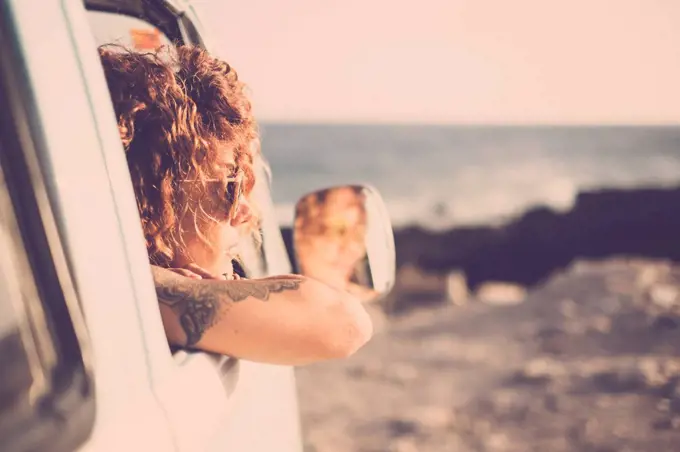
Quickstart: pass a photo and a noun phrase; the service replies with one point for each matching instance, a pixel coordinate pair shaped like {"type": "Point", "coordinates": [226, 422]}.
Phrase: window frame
{"type": "Point", "coordinates": [161, 14]}
{"type": "Point", "coordinates": [257, 261]}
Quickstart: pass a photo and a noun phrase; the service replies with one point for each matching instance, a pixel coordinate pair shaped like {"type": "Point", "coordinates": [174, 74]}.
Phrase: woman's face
{"type": "Point", "coordinates": [222, 235]}
{"type": "Point", "coordinates": [342, 245]}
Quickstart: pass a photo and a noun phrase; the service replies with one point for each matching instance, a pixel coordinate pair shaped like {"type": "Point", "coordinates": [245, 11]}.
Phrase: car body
{"type": "Point", "coordinates": [76, 279]}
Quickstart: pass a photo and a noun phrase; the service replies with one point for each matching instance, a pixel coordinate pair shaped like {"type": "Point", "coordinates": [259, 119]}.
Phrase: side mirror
{"type": "Point", "coordinates": [343, 236]}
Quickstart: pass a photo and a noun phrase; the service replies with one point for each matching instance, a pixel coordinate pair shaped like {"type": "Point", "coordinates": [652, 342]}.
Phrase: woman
{"type": "Point", "coordinates": [330, 239]}
{"type": "Point", "coordinates": [189, 133]}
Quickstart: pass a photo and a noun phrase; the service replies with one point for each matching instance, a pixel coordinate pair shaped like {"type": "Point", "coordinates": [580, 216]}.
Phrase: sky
{"type": "Point", "coordinates": [454, 61]}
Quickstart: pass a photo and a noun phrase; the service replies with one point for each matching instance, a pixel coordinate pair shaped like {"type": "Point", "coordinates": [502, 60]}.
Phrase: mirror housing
{"type": "Point", "coordinates": [343, 236]}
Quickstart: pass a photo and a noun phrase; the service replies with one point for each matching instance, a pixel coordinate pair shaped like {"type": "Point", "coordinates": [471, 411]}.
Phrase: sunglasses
{"type": "Point", "coordinates": [342, 230]}
{"type": "Point", "coordinates": [233, 191]}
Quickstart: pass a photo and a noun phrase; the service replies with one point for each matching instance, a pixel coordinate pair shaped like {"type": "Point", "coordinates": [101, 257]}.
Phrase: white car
{"type": "Point", "coordinates": [84, 361]}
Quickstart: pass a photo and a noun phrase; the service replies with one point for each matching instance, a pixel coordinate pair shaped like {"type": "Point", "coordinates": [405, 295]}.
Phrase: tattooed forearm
{"type": "Point", "coordinates": [200, 303]}
{"type": "Point", "coordinates": [197, 310]}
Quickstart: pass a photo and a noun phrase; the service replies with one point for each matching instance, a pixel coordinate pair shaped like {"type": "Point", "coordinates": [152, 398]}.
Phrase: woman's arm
{"type": "Point", "coordinates": [287, 319]}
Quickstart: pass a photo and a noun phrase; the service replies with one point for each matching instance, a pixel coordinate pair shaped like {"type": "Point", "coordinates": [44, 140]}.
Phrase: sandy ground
{"type": "Point", "coordinates": [587, 362]}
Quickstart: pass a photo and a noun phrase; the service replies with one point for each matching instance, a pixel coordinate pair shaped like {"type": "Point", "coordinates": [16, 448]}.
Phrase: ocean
{"type": "Point", "coordinates": [439, 176]}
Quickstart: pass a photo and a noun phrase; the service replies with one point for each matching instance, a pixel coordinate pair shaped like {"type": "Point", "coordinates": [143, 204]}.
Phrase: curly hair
{"type": "Point", "coordinates": [178, 113]}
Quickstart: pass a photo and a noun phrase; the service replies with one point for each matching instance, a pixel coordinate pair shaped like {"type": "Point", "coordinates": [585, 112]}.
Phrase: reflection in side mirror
{"type": "Point", "coordinates": [343, 237]}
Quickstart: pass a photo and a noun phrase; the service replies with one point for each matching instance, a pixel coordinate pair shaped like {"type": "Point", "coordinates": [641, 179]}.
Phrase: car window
{"type": "Point", "coordinates": [139, 35]}
{"type": "Point", "coordinates": [126, 31]}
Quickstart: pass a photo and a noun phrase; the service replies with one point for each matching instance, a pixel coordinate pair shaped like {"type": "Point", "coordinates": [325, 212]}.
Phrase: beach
{"type": "Point", "coordinates": [587, 361]}
{"type": "Point", "coordinates": [536, 305]}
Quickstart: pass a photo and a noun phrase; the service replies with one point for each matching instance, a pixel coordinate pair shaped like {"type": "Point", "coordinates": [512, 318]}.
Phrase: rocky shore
{"type": "Point", "coordinates": [588, 361]}
{"type": "Point", "coordinates": [526, 250]}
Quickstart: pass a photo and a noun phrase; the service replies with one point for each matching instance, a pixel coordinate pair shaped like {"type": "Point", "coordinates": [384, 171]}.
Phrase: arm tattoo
{"type": "Point", "coordinates": [200, 303]}
{"type": "Point", "coordinates": [242, 289]}
{"type": "Point", "coordinates": [197, 310]}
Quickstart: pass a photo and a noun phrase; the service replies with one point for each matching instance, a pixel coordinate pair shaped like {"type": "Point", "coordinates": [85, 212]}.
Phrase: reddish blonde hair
{"type": "Point", "coordinates": [177, 117]}
{"type": "Point", "coordinates": [318, 214]}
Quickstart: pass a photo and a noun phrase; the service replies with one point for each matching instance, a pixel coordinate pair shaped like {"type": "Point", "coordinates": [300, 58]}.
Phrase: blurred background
{"type": "Point", "coordinates": [529, 156]}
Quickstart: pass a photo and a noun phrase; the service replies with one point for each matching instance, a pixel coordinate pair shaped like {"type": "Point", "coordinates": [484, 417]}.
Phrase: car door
{"type": "Point", "coordinates": [50, 106]}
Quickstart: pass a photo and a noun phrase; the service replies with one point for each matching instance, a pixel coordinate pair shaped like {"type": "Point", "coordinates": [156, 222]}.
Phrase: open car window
{"type": "Point", "coordinates": [139, 35]}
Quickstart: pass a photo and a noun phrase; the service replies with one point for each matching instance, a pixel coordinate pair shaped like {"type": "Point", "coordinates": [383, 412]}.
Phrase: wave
{"type": "Point", "coordinates": [472, 195]}
{"type": "Point", "coordinates": [434, 211]}
{"type": "Point", "coordinates": [469, 177]}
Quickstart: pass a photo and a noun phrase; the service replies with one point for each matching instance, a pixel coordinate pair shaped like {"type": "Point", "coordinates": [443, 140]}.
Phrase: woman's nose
{"type": "Point", "coordinates": [243, 214]}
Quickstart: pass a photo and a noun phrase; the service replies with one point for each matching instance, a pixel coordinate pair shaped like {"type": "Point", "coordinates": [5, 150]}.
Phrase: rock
{"type": "Point", "coordinates": [433, 417]}
{"type": "Point", "coordinates": [457, 291]}
{"type": "Point", "coordinates": [664, 295]}
{"type": "Point", "coordinates": [366, 371]}
{"type": "Point", "coordinates": [552, 403]}
{"type": "Point", "coordinates": [672, 423]}
{"type": "Point", "coordinates": [601, 324]}
{"type": "Point", "coordinates": [664, 323]}
{"type": "Point", "coordinates": [648, 276]}
{"type": "Point", "coordinates": [402, 372]}
{"type": "Point", "coordinates": [674, 405]}
{"type": "Point", "coordinates": [568, 308]}
{"type": "Point", "coordinates": [500, 293]}
{"type": "Point", "coordinates": [404, 445]}
{"type": "Point", "coordinates": [555, 340]}
{"type": "Point", "coordinates": [620, 285]}
{"type": "Point", "coordinates": [402, 427]}
{"type": "Point", "coordinates": [609, 304]}
{"type": "Point", "coordinates": [481, 427]}
{"type": "Point", "coordinates": [675, 422]}
{"type": "Point", "coordinates": [540, 370]}
{"type": "Point", "coordinates": [583, 429]}
{"type": "Point", "coordinates": [497, 442]}
{"type": "Point", "coordinates": [622, 380]}
{"type": "Point", "coordinates": [507, 405]}
{"type": "Point", "coordinates": [655, 373]}
{"type": "Point", "coordinates": [664, 405]}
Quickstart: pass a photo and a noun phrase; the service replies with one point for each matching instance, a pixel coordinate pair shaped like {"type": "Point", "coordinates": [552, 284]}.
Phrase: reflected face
{"type": "Point", "coordinates": [336, 236]}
